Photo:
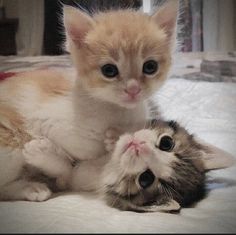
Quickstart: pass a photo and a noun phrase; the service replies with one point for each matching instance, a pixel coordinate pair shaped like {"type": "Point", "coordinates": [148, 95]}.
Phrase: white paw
{"type": "Point", "coordinates": [36, 150]}
{"type": "Point", "coordinates": [111, 137]}
{"type": "Point", "coordinates": [37, 192]}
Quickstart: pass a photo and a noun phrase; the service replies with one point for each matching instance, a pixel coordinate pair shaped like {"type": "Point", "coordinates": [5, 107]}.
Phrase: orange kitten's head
{"type": "Point", "coordinates": [121, 56]}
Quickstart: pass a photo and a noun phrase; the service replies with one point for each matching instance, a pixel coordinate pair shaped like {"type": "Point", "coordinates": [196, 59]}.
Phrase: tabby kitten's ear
{"type": "Point", "coordinates": [215, 158]}
{"type": "Point", "coordinates": [166, 18]}
{"type": "Point", "coordinates": [169, 206]}
{"type": "Point", "coordinates": [77, 24]}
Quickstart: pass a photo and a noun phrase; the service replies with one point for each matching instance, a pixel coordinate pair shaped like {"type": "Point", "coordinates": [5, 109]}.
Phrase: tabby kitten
{"type": "Point", "coordinates": [161, 168]}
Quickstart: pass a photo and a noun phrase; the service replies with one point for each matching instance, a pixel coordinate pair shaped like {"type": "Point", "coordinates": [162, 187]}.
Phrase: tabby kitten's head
{"type": "Point", "coordinates": [158, 169]}
{"type": "Point", "coordinates": [121, 56]}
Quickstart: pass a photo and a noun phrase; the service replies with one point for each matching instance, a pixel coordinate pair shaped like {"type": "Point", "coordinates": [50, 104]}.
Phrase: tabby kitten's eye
{"type": "Point", "coordinates": [109, 70]}
{"type": "Point", "coordinates": [146, 179]}
{"type": "Point", "coordinates": [166, 143]}
{"type": "Point", "coordinates": [150, 67]}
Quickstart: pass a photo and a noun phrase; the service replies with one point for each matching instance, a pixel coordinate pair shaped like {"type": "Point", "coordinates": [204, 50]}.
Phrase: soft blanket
{"type": "Point", "coordinates": [207, 109]}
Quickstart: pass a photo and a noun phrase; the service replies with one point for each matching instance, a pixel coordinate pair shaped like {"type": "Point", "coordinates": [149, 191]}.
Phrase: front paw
{"type": "Point", "coordinates": [111, 137]}
{"type": "Point", "coordinates": [35, 152]}
{"type": "Point", "coordinates": [37, 192]}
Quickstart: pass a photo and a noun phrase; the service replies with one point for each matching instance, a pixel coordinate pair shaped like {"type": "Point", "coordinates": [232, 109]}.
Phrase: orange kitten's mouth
{"type": "Point", "coordinates": [130, 98]}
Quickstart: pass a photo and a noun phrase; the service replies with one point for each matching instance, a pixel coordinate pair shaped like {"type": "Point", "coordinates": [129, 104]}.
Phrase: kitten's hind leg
{"type": "Point", "coordinates": [25, 190]}
{"type": "Point", "coordinates": [45, 156]}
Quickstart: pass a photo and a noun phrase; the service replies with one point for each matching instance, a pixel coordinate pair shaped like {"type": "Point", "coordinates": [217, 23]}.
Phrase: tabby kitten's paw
{"type": "Point", "coordinates": [111, 137]}
{"type": "Point", "coordinates": [37, 192]}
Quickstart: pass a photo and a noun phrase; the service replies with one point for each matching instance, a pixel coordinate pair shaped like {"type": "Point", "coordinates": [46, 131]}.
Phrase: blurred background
{"type": "Point", "coordinates": [33, 27]}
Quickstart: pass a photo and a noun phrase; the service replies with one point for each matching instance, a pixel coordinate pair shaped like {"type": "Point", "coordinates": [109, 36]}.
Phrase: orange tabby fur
{"type": "Point", "coordinates": [12, 133]}
{"type": "Point", "coordinates": [49, 83]}
{"type": "Point", "coordinates": [126, 38]}
{"type": "Point", "coordinates": [56, 121]}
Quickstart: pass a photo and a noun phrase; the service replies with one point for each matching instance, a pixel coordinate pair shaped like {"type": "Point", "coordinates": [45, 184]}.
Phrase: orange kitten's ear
{"type": "Point", "coordinates": [77, 24]}
{"type": "Point", "coordinates": [215, 158]}
{"type": "Point", "coordinates": [166, 17]}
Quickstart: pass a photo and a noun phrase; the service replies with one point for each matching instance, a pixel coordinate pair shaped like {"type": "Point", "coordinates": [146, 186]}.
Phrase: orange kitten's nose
{"type": "Point", "coordinates": [133, 88]}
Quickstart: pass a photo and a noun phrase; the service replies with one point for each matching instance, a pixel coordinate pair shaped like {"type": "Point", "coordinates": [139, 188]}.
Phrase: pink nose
{"type": "Point", "coordinates": [136, 145]}
{"type": "Point", "coordinates": [133, 90]}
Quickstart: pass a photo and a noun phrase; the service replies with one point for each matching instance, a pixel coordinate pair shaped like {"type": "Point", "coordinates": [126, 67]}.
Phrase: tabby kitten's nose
{"type": "Point", "coordinates": [138, 147]}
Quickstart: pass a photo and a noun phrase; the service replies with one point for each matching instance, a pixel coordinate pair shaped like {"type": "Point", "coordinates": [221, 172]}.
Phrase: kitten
{"type": "Point", "coordinates": [161, 168]}
{"type": "Point", "coordinates": [49, 119]}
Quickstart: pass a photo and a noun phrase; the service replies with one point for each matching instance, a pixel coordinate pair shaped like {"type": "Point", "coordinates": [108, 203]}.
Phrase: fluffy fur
{"type": "Point", "coordinates": [53, 119]}
{"type": "Point", "coordinates": [50, 120]}
{"type": "Point", "coordinates": [179, 173]}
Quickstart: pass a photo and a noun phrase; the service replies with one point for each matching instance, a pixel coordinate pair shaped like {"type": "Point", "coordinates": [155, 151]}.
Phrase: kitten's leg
{"type": "Point", "coordinates": [25, 190]}
{"type": "Point", "coordinates": [44, 155]}
{"type": "Point", "coordinates": [11, 187]}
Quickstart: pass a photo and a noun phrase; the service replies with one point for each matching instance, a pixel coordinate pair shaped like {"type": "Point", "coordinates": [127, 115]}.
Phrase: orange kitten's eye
{"type": "Point", "coordinates": [109, 70]}
{"type": "Point", "coordinates": [150, 67]}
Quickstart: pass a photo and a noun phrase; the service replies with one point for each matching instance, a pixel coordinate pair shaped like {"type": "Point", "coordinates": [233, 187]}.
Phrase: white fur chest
{"type": "Point", "coordinates": [92, 119]}
{"type": "Point", "coordinates": [78, 125]}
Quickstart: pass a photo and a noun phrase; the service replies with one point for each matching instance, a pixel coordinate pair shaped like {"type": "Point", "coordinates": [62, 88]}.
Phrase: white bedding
{"type": "Point", "coordinates": [205, 108]}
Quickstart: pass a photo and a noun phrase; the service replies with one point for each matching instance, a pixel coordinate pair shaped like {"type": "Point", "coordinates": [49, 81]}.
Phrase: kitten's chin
{"type": "Point", "coordinates": [126, 105]}
{"type": "Point", "coordinates": [129, 105]}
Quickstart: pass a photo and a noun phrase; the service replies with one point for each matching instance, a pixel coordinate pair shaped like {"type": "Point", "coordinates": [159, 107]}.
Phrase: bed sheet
{"type": "Point", "coordinates": [206, 109]}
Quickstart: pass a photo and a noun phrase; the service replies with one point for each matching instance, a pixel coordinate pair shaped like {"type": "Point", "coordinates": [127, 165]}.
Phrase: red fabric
{"type": "Point", "coordinates": [6, 75]}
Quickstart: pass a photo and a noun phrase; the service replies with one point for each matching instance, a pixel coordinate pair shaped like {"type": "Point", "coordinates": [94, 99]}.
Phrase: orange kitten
{"type": "Point", "coordinates": [121, 59]}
